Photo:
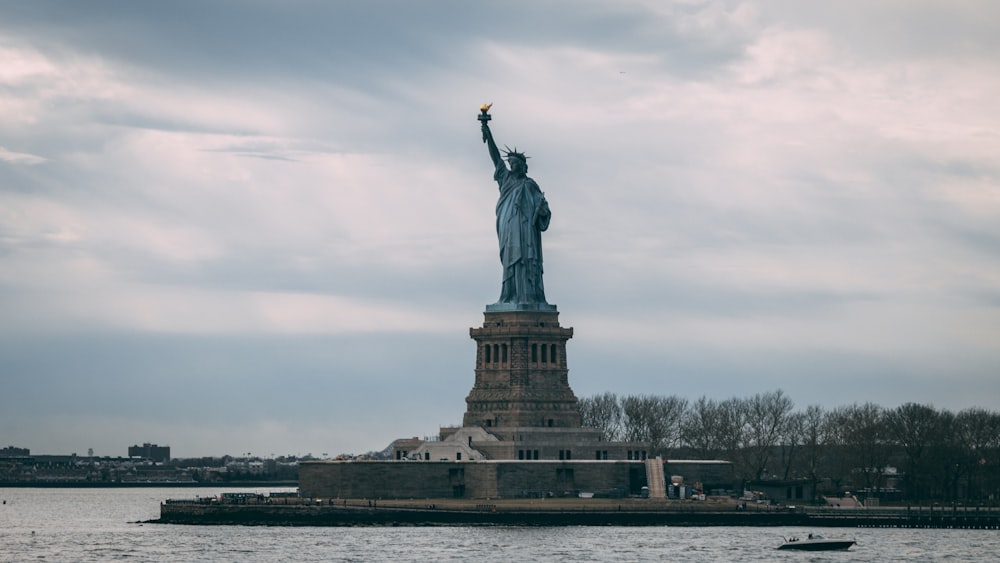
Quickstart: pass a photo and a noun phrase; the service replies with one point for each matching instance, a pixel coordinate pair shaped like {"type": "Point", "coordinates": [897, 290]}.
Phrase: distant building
{"type": "Point", "coordinates": [151, 452]}
{"type": "Point", "coordinates": [784, 491]}
{"type": "Point", "coordinates": [11, 451]}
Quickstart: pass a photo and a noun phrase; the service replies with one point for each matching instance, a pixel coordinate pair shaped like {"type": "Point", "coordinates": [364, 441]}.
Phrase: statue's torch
{"type": "Point", "coordinates": [484, 117]}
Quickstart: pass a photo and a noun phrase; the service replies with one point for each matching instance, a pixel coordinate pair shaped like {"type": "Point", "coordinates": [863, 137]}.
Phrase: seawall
{"type": "Point", "coordinates": [551, 512]}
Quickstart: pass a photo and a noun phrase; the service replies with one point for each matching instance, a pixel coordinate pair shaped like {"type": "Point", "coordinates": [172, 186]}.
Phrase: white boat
{"type": "Point", "coordinates": [816, 542]}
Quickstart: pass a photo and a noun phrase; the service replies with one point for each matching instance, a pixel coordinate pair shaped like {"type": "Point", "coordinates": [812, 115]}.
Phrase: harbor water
{"type": "Point", "coordinates": [68, 524]}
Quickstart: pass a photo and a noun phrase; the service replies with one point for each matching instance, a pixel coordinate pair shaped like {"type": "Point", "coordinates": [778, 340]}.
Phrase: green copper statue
{"type": "Point", "coordinates": [522, 215]}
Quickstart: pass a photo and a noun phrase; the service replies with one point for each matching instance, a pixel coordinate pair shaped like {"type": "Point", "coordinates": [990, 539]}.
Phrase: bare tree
{"type": "Point", "coordinates": [653, 419]}
{"type": "Point", "coordinates": [792, 443]}
{"type": "Point", "coordinates": [917, 430]}
{"type": "Point", "coordinates": [766, 421]}
{"type": "Point", "coordinates": [813, 426]}
{"type": "Point", "coordinates": [861, 430]}
{"type": "Point", "coordinates": [698, 428]}
{"type": "Point", "coordinates": [669, 413]}
{"type": "Point", "coordinates": [603, 412]}
{"type": "Point", "coordinates": [976, 433]}
{"type": "Point", "coordinates": [714, 429]}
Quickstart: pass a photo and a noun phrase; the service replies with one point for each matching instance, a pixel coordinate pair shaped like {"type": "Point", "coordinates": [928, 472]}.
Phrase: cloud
{"type": "Point", "coordinates": [19, 157]}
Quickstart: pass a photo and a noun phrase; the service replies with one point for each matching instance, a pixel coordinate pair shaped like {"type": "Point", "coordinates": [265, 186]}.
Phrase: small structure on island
{"type": "Point", "coordinates": [521, 434]}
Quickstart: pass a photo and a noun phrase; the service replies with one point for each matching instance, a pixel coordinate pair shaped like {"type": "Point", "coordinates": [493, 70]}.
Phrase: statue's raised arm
{"type": "Point", "coordinates": [484, 118]}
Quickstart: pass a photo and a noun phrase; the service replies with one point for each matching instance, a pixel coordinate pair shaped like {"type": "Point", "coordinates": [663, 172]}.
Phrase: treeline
{"type": "Point", "coordinates": [937, 454]}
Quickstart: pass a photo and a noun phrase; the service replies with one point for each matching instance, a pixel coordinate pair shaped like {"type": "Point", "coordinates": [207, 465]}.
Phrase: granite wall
{"type": "Point", "coordinates": [471, 479]}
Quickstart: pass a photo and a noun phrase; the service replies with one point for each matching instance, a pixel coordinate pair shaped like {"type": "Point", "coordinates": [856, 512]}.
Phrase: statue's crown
{"type": "Point", "coordinates": [515, 154]}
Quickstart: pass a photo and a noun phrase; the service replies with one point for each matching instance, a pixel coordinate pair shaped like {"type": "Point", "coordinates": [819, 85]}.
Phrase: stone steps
{"type": "Point", "coordinates": [654, 478]}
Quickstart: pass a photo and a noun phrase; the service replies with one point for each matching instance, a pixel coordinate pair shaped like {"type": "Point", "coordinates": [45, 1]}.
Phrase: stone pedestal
{"type": "Point", "coordinates": [521, 373]}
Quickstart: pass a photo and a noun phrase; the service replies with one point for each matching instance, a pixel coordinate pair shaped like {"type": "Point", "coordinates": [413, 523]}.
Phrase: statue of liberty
{"type": "Point", "coordinates": [522, 215]}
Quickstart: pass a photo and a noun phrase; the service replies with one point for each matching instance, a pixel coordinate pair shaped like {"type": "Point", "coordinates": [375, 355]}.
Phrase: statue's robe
{"type": "Point", "coordinates": [522, 215]}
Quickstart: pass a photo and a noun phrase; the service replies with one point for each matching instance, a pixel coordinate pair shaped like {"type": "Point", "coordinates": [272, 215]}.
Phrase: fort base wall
{"type": "Point", "coordinates": [472, 479]}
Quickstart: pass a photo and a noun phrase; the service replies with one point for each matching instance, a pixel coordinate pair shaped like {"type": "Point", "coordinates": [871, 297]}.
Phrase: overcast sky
{"type": "Point", "coordinates": [267, 227]}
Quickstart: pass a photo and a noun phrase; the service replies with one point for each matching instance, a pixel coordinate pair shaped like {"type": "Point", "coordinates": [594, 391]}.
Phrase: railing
{"type": "Point", "coordinates": [912, 517]}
